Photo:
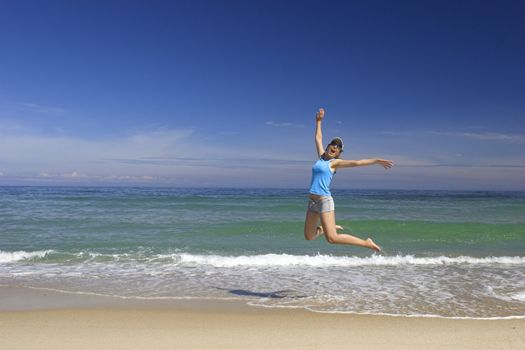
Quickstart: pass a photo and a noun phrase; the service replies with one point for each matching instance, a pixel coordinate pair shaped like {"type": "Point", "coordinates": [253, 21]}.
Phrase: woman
{"type": "Point", "coordinates": [321, 204]}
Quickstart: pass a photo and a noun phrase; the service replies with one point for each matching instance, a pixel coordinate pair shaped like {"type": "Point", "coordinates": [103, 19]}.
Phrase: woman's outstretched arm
{"type": "Point", "coordinates": [318, 132]}
{"type": "Point", "coordinates": [342, 163]}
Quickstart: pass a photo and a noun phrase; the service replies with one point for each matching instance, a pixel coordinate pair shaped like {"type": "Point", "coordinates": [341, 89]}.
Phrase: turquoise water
{"type": "Point", "coordinates": [449, 254]}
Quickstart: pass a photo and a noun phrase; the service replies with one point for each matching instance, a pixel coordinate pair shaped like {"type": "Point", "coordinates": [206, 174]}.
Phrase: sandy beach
{"type": "Point", "coordinates": [37, 319]}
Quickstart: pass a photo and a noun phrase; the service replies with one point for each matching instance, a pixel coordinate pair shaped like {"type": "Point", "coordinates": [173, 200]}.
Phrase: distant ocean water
{"type": "Point", "coordinates": [447, 254]}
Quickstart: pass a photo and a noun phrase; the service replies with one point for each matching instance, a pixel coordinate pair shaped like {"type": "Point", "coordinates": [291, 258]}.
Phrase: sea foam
{"type": "Point", "coordinates": [261, 260]}
{"type": "Point", "coordinates": [329, 260]}
{"type": "Point", "coordinates": [8, 257]}
{"type": "Point", "coordinates": [519, 296]}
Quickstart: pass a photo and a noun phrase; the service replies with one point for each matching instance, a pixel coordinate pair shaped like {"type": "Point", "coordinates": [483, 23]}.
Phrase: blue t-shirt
{"type": "Point", "coordinates": [321, 178]}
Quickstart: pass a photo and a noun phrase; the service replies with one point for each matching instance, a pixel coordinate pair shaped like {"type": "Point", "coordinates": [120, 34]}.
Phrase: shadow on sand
{"type": "Point", "coordinates": [280, 294]}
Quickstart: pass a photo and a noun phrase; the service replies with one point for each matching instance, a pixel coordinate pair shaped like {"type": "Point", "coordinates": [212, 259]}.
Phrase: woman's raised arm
{"type": "Point", "coordinates": [318, 132]}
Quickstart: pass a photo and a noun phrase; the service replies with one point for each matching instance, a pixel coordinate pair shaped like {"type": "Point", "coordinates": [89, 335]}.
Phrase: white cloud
{"type": "Point", "coordinates": [408, 161]}
{"type": "Point", "coordinates": [160, 156]}
{"type": "Point", "coordinates": [480, 136]}
{"type": "Point", "coordinates": [40, 154]}
{"type": "Point", "coordinates": [76, 177]}
{"type": "Point", "coordinates": [38, 148]}
{"type": "Point", "coordinates": [171, 157]}
{"type": "Point", "coordinates": [401, 133]}
{"type": "Point", "coordinates": [10, 127]}
{"type": "Point", "coordinates": [283, 124]}
{"type": "Point", "coordinates": [486, 136]}
{"type": "Point", "coordinates": [37, 108]}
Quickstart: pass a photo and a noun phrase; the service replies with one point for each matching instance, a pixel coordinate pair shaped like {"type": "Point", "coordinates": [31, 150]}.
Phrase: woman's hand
{"type": "Point", "coordinates": [387, 164]}
{"type": "Point", "coordinates": [319, 115]}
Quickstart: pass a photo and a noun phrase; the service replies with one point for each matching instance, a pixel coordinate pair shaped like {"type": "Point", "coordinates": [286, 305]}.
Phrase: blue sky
{"type": "Point", "coordinates": [224, 93]}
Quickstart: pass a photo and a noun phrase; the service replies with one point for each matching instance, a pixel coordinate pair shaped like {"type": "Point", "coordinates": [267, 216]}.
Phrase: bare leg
{"type": "Point", "coordinates": [331, 235]}
{"type": "Point", "coordinates": [310, 225]}
{"type": "Point", "coordinates": [321, 232]}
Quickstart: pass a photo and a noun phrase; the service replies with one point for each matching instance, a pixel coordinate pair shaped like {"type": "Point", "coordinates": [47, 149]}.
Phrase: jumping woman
{"type": "Point", "coordinates": [321, 204]}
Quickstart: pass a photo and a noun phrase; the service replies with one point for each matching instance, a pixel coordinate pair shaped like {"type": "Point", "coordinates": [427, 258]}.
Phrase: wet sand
{"type": "Point", "coordinates": [37, 319]}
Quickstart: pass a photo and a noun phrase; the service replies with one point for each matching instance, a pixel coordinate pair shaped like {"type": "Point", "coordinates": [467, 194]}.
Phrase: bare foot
{"type": "Point", "coordinates": [372, 245]}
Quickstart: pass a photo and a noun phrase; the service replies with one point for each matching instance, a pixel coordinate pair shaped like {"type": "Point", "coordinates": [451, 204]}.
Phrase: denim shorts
{"type": "Point", "coordinates": [321, 205]}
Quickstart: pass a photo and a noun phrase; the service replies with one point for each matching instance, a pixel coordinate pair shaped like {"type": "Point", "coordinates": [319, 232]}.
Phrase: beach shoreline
{"type": "Point", "coordinates": [239, 244]}
{"type": "Point", "coordinates": [45, 319]}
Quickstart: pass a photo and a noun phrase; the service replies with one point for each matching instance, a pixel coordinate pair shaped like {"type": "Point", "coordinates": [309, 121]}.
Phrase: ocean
{"type": "Point", "coordinates": [445, 254]}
